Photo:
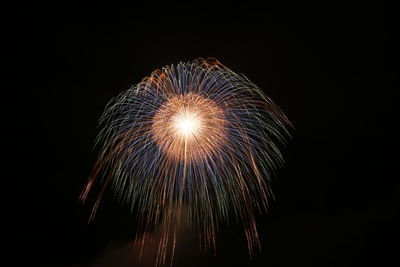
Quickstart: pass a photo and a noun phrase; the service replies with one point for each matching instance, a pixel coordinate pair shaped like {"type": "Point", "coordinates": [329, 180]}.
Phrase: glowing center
{"type": "Point", "coordinates": [189, 127]}
{"type": "Point", "coordinates": [187, 123]}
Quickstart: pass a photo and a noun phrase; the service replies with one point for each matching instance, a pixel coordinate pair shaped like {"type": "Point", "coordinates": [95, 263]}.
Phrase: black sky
{"type": "Point", "coordinates": [330, 68]}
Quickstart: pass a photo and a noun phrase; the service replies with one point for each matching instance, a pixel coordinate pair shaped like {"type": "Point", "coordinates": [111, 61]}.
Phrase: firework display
{"type": "Point", "coordinates": [192, 145]}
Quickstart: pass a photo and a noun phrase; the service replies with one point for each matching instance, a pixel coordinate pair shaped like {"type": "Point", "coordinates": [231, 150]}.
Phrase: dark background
{"type": "Point", "coordinates": [330, 68]}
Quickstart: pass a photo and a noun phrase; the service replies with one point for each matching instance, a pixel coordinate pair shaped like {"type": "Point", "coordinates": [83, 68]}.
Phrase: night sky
{"type": "Point", "coordinates": [330, 68]}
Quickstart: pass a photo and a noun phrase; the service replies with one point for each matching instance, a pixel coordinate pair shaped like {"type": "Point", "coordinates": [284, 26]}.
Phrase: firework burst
{"type": "Point", "coordinates": [189, 145]}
